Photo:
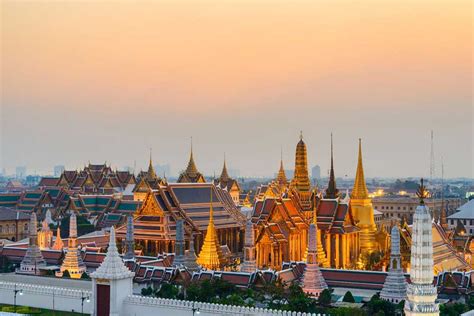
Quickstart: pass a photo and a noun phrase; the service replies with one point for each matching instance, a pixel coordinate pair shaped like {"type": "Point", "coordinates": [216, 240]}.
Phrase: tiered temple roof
{"type": "Point", "coordinates": [191, 174]}
{"type": "Point", "coordinates": [92, 179]}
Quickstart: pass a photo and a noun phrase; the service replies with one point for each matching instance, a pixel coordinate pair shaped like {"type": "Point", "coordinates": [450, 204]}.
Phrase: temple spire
{"type": "Point", "coordinates": [151, 174]}
{"type": "Point", "coordinates": [395, 286]}
{"type": "Point", "coordinates": [129, 240]}
{"type": "Point", "coordinates": [58, 243]}
{"type": "Point", "coordinates": [360, 188]}
{"type": "Point", "coordinates": [281, 177]}
{"type": "Point", "coordinates": [73, 261]}
{"type": "Point", "coordinates": [250, 263]}
{"type": "Point", "coordinates": [33, 259]}
{"type": "Point", "coordinates": [313, 282]}
{"type": "Point", "coordinates": [224, 174]}
{"type": "Point", "coordinates": [211, 256]}
{"type": "Point", "coordinates": [332, 192]}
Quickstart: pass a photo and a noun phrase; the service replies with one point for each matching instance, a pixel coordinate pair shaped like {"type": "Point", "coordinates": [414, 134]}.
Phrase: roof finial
{"type": "Point", "coordinates": [301, 135]}
{"type": "Point", "coordinates": [421, 192]}
{"type": "Point", "coordinates": [332, 192]}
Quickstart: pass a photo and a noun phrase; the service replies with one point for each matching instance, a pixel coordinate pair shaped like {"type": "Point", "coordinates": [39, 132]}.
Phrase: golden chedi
{"type": "Point", "coordinates": [211, 256]}
{"type": "Point", "coordinates": [362, 209]}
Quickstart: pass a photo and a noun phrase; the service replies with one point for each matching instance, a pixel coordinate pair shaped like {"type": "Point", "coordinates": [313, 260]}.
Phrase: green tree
{"type": "Point", "coordinates": [85, 276]}
{"type": "Point", "coordinates": [83, 226]}
{"type": "Point", "coordinates": [148, 291]}
{"type": "Point", "coordinates": [66, 274]}
{"type": "Point", "coordinates": [378, 305]}
{"type": "Point", "coordinates": [299, 301]}
{"type": "Point", "coordinates": [324, 298]}
{"type": "Point", "coordinates": [348, 297]}
{"type": "Point", "coordinates": [168, 291]}
{"type": "Point", "coordinates": [452, 309]}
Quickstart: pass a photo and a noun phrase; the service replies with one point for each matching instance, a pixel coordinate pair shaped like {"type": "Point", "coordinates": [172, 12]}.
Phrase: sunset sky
{"type": "Point", "coordinates": [107, 80]}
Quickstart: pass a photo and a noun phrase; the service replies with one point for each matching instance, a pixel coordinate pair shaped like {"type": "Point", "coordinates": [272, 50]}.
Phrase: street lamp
{"type": "Point", "coordinates": [84, 298]}
{"type": "Point", "coordinates": [196, 310]}
{"type": "Point", "coordinates": [16, 291]}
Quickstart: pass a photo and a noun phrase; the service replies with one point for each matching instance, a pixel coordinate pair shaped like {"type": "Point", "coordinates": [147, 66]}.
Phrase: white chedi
{"type": "Point", "coordinates": [421, 293]}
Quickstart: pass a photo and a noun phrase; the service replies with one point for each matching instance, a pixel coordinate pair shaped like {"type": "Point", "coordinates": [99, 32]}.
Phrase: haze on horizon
{"type": "Point", "coordinates": [106, 80]}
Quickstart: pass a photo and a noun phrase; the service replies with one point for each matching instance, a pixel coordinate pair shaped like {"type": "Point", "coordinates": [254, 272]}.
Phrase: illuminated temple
{"type": "Point", "coordinates": [155, 220]}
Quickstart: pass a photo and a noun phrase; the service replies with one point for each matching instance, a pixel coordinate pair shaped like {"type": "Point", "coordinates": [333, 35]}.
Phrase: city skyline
{"type": "Point", "coordinates": [240, 78]}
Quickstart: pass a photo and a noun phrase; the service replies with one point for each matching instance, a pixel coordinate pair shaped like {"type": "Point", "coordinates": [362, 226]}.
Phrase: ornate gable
{"type": "Point", "coordinates": [150, 206]}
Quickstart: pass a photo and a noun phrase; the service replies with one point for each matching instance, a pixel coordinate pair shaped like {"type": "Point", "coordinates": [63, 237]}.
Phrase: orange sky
{"type": "Point", "coordinates": [242, 67]}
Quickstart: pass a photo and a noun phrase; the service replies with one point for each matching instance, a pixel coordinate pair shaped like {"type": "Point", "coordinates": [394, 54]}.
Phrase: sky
{"type": "Point", "coordinates": [107, 80]}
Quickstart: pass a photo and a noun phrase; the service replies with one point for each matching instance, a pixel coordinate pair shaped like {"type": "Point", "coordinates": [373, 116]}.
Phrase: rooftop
{"type": "Point", "coordinates": [465, 211]}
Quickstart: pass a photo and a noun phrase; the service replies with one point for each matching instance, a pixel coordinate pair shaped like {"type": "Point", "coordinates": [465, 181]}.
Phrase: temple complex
{"type": "Point", "coordinates": [93, 178]}
{"type": "Point", "coordinates": [421, 292]}
{"type": "Point", "coordinates": [33, 259]}
{"type": "Point", "coordinates": [191, 174]}
{"type": "Point", "coordinates": [210, 256]}
{"type": "Point", "coordinates": [362, 208]}
{"type": "Point", "coordinates": [73, 261]}
{"type": "Point", "coordinates": [395, 286]}
{"type": "Point", "coordinates": [313, 280]}
{"type": "Point", "coordinates": [225, 182]}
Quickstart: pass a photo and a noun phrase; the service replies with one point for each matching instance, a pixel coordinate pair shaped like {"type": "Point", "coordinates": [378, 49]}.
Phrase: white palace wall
{"type": "Point", "coordinates": [42, 296]}
{"type": "Point", "coordinates": [65, 299]}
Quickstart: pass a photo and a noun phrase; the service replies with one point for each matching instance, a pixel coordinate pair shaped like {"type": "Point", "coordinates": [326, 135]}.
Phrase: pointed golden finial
{"type": "Point", "coordinates": [151, 174]}
{"type": "Point", "coordinates": [301, 135]}
{"type": "Point", "coordinates": [421, 192]}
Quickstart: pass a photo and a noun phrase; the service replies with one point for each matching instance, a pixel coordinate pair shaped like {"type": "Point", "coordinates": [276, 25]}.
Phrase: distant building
{"type": "Point", "coordinates": [464, 217]}
{"type": "Point", "coordinates": [20, 172]}
{"type": "Point", "coordinates": [13, 224]}
{"type": "Point", "coordinates": [58, 170]}
{"type": "Point", "coordinates": [316, 172]}
{"type": "Point", "coordinates": [404, 207]}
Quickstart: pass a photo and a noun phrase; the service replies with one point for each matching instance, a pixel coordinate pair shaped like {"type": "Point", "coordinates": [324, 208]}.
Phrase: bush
{"type": "Point", "coordinates": [324, 298]}
{"type": "Point", "coordinates": [348, 297]}
{"type": "Point", "coordinates": [66, 274]}
{"type": "Point", "coordinates": [85, 276]}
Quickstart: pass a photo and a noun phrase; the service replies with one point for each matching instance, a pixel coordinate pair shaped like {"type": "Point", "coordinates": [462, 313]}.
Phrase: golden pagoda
{"type": "Point", "coordinates": [300, 182]}
{"type": "Point", "coordinates": [362, 208]}
{"type": "Point", "coordinates": [211, 256]}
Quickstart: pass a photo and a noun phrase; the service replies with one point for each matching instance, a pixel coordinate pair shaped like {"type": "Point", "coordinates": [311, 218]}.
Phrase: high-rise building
{"type": "Point", "coordinates": [58, 170]}
{"type": "Point", "coordinates": [20, 172]}
{"type": "Point", "coordinates": [316, 172]}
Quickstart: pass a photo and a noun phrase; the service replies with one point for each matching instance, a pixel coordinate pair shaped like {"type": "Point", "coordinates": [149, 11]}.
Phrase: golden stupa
{"type": "Point", "coordinates": [211, 256]}
{"type": "Point", "coordinates": [362, 208]}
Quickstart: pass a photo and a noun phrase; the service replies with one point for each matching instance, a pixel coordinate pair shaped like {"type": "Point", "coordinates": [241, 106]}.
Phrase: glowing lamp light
{"type": "Point", "coordinates": [21, 292]}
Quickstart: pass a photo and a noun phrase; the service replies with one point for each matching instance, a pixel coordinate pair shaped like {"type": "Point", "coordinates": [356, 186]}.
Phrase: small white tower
{"type": "Point", "coordinates": [395, 287]}
{"type": "Point", "coordinates": [111, 283]}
